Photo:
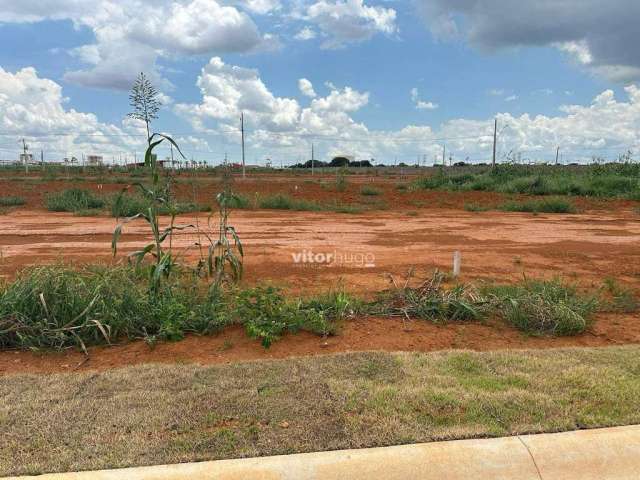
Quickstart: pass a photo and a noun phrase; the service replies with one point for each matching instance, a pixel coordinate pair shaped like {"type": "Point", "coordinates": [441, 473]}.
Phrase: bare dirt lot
{"type": "Point", "coordinates": [418, 230]}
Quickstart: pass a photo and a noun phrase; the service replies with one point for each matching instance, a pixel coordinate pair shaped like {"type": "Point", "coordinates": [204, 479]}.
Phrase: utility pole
{"type": "Point", "coordinates": [444, 152]}
{"type": "Point", "coordinates": [557, 154]}
{"type": "Point", "coordinates": [42, 159]}
{"type": "Point", "coordinates": [312, 159]}
{"type": "Point", "coordinates": [242, 132]}
{"type": "Point", "coordinates": [495, 138]}
{"type": "Point", "coordinates": [25, 148]}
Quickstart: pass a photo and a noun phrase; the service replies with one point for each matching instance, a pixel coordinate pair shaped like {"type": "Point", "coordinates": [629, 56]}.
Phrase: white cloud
{"type": "Point", "coordinates": [33, 107]}
{"type": "Point", "coordinates": [511, 98]}
{"type": "Point", "coordinates": [260, 6]}
{"type": "Point", "coordinates": [306, 88]}
{"type": "Point", "coordinates": [350, 21]}
{"type": "Point", "coordinates": [132, 34]}
{"type": "Point", "coordinates": [306, 33]}
{"type": "Point", "coordinates": [284, 128]}
{"type": "Point", "coordinates": [421, 104]}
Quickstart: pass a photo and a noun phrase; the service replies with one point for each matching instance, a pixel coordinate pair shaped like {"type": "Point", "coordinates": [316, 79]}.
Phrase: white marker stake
{"type": "Point", "coordinates": [457, 260]}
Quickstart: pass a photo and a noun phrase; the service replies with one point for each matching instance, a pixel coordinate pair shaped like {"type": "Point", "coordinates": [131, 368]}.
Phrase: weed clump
{"type": "Point", "coordinates": [369, 191]}
{"type": "Point", "coordinates": [608, 180]}
{"type": "Point", "coordinates": [544, 307]}
{"type": "Point", "coordinates": [546, 205]}
{"type": "Point", "coordinates": [12, 201]}
{"type": "Point", "coordinates": [432, 301]}
{"type": "Point", "coordinates": [56, 307]}
{"type": "Point", "coordinates": [267, 314]}
{"type": "Point", "coordinates": [125, 205]}
{"type": "Point", "coordinates": [73, 200]}
{"type": "Point", "coordinates": [285, 202]}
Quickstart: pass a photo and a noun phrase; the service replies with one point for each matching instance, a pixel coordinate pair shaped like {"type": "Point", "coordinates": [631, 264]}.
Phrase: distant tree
{"type": "Point", "coordinates": [144, 101]}
{"type": "Point", "coordinates": [339, 162]}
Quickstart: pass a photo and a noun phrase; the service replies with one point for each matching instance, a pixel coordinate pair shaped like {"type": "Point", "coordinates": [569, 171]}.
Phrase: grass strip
{"type": "Point", "coordinates": [600, 180]}
{"type": "Point", "coordinates": [157, 414]}
{"type": "Point", "coordinates": [55, 307]}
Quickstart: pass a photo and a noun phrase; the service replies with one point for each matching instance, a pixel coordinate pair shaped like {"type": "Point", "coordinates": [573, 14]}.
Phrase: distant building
{"type": "Point", "coordinates": [94, 160]}
{"type": "Point", "coordinates": [26, 158]}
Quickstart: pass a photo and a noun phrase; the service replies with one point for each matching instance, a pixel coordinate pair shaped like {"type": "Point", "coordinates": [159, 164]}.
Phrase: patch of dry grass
{"type": "Point", "coordinates": [157, 414]}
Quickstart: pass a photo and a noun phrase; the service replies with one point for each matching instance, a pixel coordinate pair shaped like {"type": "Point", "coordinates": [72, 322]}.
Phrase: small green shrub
{"type": "Point", "coordinates": [545, 307]}
{"type": "Point", "coordinates": [267, 315]}
{"type": "Point", "coordinates": [369, 191]}
{"type": "Point", "coordinates": [285, 202]}
{"type": "Point", "coordinates": [546, 205]}
{"type": "Point", "coordinates": [125, 205]}
{"type": "Point", "coordinates": [73, 200]}
{"type": "Point", "coordinates": [12, 201]}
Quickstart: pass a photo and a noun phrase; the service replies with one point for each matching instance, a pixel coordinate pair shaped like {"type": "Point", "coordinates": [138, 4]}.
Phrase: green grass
{"type": "Point", "coordinates": [12, 201]}
{"type": "Point", "coordinates": [54, 307]}
{"type": "Point", "coordinates": [162, 414]}
{"type": "Point", "coordinates": [369, 191]}
{"type": "Point", "coordinates": [73, 200]}
{"type": "Point", "coordinates": [546, 205]}
{"type": "Point", "coordinates": [610, 180]}
{"type": "Point", "coordinates": [285, 202]}
{"type": "Point", "coordinates": [475, 207]}
{"type": "Point", "coordinates": [126, 205]}
{"type": "Point", "coordinates": [620, 299]}
{"type": "Point", "coordinates": [545, 307]}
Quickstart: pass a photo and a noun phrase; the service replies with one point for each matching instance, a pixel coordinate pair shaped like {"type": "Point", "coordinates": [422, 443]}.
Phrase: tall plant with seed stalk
{"type": "Point", "coordinates": [159, 195]}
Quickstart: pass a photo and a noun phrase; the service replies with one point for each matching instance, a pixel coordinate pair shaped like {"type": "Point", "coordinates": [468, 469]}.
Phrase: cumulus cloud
{"type": "Point", "coordinates": [284, 127]}
{"type": "Point", "coordinates": [306, 88]}
{"type": "Point", "coordinates": [130, 35]}
{"type": "Point", "coordinates": [350, 21]}
{"type": "Point", "coordinates": [597, 34]}
{"type": "Point", "coordinates": [33, 107]}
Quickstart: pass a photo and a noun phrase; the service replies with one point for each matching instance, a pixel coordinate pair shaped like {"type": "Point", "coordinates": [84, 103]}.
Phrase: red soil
{"type": "Point", "coordinates": [585, 248]}
{"type": "Point", "coordinates": [362, 334]}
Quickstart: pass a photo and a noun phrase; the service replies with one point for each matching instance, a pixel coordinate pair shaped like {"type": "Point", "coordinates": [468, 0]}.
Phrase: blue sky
{"type": "Point", "coordinates": [365, 59]}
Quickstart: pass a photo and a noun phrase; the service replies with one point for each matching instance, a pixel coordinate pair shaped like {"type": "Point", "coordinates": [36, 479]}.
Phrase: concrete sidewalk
{"type": "Point", "coordinates": [610, 453]}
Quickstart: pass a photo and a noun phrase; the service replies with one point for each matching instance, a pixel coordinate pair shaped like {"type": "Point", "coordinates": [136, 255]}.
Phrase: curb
{"type": "Point", "coordinates": [602, 454]}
